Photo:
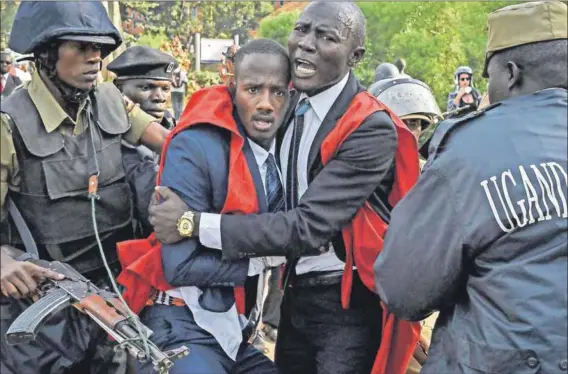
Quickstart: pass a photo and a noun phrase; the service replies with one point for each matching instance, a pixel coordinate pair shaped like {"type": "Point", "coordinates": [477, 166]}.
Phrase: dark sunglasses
{"type": "Point", "coordinates": [465, 79]}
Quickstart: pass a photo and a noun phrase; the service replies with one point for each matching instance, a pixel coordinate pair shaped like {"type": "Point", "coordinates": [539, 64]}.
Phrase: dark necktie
{"type": "Point", "coordinates": [274, 190]}
{"type": "Point", "coordinates": [291, 170]}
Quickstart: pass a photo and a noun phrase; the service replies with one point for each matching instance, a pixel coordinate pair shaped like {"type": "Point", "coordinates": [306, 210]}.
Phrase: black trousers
{"type": "Point", "coordinates": [271, 308]}
{"type": "Point", "coordinates": [69, 342]}
{"type": "Point", "coordinates": [317, 336]}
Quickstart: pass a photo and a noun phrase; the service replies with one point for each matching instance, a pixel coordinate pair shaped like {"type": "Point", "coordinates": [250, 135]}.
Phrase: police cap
{"type": "Point", "coordinates": [143, 62]}
{"type": "Point", "coordinates": [39, 22]}
{"type": "Point", "coordinates": [525, 23]}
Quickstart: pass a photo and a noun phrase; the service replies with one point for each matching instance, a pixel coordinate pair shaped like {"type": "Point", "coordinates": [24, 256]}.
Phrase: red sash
{"type": "Point", "coordinates": [363, 237]}
{"type": "Point", "coordinates": [141, 259]}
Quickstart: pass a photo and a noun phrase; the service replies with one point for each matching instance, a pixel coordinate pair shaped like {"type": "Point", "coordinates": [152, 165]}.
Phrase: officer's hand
{"type": "Point", "coordinates": [421, 351]}
{"type": "Point", "coordinates": [20, 278]}
{"type": "Point", "coordinates": [165, 214]}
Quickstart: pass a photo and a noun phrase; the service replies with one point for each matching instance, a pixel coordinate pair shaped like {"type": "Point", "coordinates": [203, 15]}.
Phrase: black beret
{"type": "Point", "coordinates": [143, 62]}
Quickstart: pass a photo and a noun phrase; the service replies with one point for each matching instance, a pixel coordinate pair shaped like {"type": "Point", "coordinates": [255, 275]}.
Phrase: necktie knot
{"type": "Point", "coordinates": [302, 107]}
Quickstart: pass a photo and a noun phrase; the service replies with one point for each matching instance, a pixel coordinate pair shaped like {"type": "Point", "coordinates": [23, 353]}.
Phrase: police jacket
{"type": "Point", "coordinates": [482, 238]}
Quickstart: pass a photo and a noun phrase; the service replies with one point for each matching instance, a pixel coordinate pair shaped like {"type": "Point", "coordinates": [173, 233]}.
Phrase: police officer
{"type": "Point", "coordinates": [411, 100]}
{"type": "Point", "coordinates": [56, 133]}
{"type": "Point", "coordinates": [489, 247]}
{"type": "Point", "coordinates": [145, 76]}
{"type": "Point", "coordinates": [383, 71]}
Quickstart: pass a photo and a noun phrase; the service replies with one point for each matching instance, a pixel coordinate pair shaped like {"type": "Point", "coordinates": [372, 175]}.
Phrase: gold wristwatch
{"type": "Point", "coordinates": [185, 224]}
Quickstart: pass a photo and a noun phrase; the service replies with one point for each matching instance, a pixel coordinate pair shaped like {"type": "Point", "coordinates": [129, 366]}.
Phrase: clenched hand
{"type": "Point", "coordinates": [19, 279]}
{"type": "Point", "coordinates": [164, 214]}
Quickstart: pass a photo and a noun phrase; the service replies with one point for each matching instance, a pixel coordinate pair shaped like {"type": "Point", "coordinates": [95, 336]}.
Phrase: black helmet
{"type": "Point", "coordinates": [386, 71]}
{"type": "Point", "coordinates": [38, 23]}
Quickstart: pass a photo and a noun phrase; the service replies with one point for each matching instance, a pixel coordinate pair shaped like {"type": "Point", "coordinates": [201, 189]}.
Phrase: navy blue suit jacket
{"type": "Point", "coordinates": [197, 169]}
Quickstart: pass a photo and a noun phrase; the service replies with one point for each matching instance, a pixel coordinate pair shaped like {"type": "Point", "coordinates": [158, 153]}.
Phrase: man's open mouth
{"type": "Point", "coordinates": [262, 124]}
{"type": "Point", "coordinates": [303, 68]}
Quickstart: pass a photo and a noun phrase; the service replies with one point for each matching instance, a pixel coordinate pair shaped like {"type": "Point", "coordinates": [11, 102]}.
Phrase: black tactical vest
{"type": "Point", "coordinates": [54, 170]}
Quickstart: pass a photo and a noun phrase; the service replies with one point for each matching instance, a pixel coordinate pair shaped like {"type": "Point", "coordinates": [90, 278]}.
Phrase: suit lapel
{"type": "Point", "coordinates": [288, 116]}
{"type": "Point", "coordinates": [337, 110]}
{"type": "Point", "coordinates": [9, 86]}
{"type": "Point", "coordinates": [253, 167]}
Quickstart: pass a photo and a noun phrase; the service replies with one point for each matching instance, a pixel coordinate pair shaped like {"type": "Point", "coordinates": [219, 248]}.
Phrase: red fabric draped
{"type": "Point", "coordinates": [364, 236]}
{"type": "Point", "coordinates": [141, 259]}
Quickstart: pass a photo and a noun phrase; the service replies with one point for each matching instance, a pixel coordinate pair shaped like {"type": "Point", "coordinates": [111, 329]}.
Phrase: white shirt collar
{"type": "Point", "coordinates": [323, 101]}
{"type": "Point", "coordinates": [261, 154]}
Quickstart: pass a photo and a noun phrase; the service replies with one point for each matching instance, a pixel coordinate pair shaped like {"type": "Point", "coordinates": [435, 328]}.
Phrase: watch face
{"type": "Point", "coordinates": [185, 227]}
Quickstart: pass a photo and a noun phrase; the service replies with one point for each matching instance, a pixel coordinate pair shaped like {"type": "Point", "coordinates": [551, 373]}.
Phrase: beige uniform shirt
{"type": "Point", "coordinates": [54, 118]}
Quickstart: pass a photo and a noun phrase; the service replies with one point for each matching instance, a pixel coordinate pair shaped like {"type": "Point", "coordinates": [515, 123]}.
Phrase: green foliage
{"type": "Point", "coordinates": [152, 40]}
{"type": "Point", "coordinates": [7, 13]}
{"type": "Point", "coordinates": [278, 27]}
{"type": "Point", "coordinates": [434, 38]}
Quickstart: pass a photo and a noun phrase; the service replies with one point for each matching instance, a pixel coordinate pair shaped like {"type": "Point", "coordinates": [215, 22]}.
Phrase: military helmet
{"type": "Point", "coordinates": [408, 97]}
{"type": "Point", "coordinates": [38, 23]}
{"type": "Point", "coordinates": [386, 71]}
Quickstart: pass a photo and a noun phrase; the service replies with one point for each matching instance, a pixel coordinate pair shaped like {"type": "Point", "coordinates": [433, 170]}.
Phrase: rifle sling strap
{"type": "Point", "coordinates": [23, 229]}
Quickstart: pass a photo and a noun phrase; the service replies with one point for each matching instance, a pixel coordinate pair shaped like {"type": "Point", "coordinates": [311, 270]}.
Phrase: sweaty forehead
{"type": "Point", "coordinates": [258, 66]}
{"type": "Point", "coordinates": [340, 16]}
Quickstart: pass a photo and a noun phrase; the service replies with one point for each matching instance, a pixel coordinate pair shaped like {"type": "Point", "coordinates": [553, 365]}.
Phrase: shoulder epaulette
{"type": "Point", "coordinates": [440, 136]}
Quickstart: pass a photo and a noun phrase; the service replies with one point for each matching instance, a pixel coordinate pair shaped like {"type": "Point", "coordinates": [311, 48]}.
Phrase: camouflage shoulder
{"type": "Point", "coordinates": [435, 139]}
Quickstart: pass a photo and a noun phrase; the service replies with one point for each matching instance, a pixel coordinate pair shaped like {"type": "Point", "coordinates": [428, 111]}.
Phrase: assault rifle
{"type": "Point", "coordinates": [101, 305]}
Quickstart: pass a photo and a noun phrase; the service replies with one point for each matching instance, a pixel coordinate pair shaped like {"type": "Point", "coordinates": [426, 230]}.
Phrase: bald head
{"type": "Point", "coordinates": [350, 15]}
{"type": "Point", "coordinates": [6, 61]}
{"type": "Point", "coordinates": [327, 41]}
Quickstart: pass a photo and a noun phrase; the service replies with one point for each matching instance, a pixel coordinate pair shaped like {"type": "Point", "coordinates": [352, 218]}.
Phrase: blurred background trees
{"type": "Point", "coordinates": [433, 37]}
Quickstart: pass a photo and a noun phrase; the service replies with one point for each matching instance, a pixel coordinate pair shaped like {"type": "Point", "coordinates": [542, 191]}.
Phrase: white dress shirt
{"type": "Point", "coordinates": [320, 104]}
{"type": "Point", "coordinates": [226, 327]}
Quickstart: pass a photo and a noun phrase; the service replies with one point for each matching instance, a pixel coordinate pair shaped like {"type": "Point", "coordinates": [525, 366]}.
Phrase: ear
{"type": "Point", "coordinates": [515, 73]}
{"type": "Point", "coordinates": [232, 89]}
{"type": "Point", "coordinates": [356, 56]}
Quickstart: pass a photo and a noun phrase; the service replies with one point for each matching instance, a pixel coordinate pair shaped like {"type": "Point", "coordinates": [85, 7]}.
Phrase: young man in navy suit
{"type": "Point", "coordinates": [346, 161]}
{"type": "Point", "coordinates": [220, 158]}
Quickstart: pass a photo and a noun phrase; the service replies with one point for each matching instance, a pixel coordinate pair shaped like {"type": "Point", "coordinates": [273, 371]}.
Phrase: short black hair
{"type": "Point", "coordinates": [543, 62]}
{"type": "Point", "coordinates": [261, 46]}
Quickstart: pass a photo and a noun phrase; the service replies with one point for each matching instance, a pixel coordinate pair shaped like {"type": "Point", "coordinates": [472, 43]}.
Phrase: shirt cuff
{"type": "Point", "coordinates": [210, 230]}
{"type": "Point", "coordinates": [256, 266]}
{"type": "Point", "coordinates": [139, 121]}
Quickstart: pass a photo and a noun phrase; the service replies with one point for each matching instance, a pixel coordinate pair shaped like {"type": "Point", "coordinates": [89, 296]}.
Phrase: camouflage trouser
{"type": "Point", "coordinates": [68, 342]}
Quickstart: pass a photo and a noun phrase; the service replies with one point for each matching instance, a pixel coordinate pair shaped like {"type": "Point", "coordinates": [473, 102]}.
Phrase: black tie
{"type": "Point", "coordinates": [292, 170]}
{"type": "Point", "coordinates": [292, 179]}
{"type": "Point", "coordinates": [274, 190]}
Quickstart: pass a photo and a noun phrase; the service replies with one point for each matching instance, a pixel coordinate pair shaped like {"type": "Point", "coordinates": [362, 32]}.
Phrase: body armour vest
{"type": "Point", "coordinates": [53, 172]}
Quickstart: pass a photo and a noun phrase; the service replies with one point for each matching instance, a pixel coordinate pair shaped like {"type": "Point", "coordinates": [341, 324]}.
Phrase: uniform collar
{"type": "Point", "coordinates": [51, 113]}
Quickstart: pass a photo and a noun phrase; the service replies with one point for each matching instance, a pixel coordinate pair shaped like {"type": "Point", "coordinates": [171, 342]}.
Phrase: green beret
{"type": "Point", "coordinates": [524, 23]}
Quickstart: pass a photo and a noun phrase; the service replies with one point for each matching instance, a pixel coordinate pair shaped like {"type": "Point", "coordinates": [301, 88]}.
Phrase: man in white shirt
{"type": "Point", "coordinates": [8, 80]}
{"type": "Point", "coordinates": [337, 155]}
